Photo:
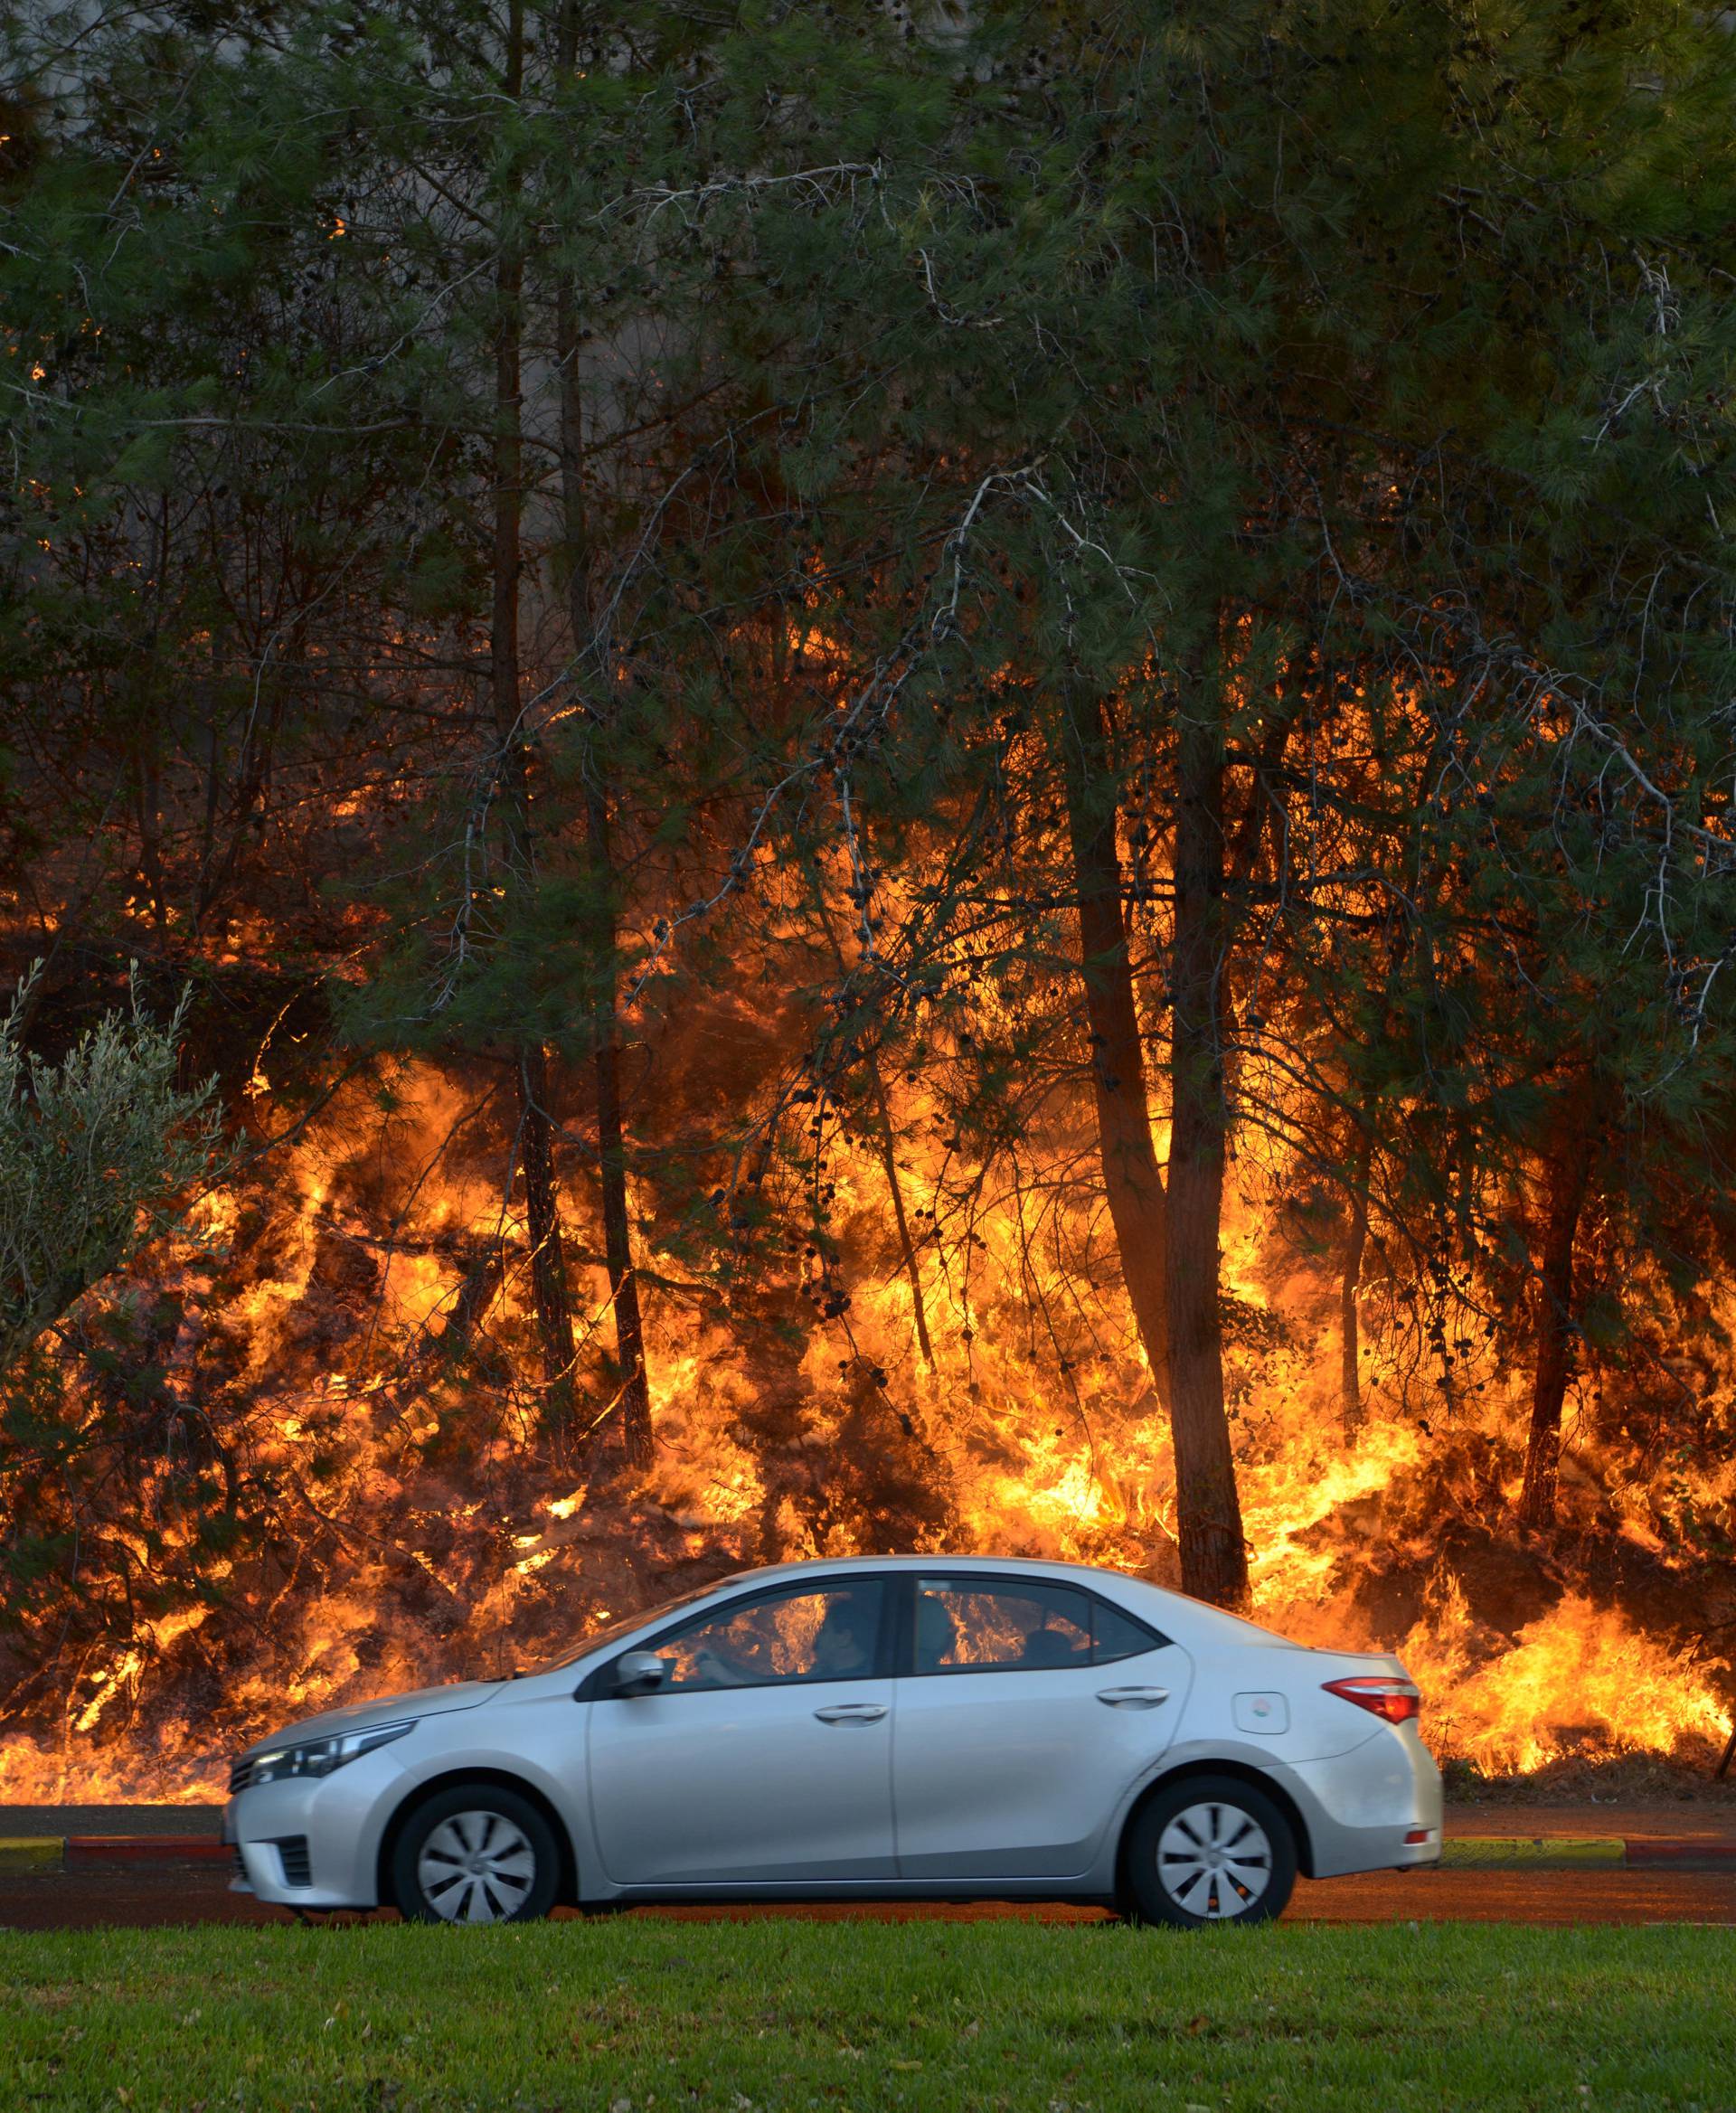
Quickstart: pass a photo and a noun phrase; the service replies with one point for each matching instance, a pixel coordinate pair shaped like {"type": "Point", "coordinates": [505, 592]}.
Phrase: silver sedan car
{"type": "Point", "coordinates": [884, 1727]}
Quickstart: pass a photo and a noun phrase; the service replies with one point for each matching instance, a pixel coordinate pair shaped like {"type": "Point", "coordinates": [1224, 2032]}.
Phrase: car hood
{"type": "Point", "coordinates": [421, 1702]}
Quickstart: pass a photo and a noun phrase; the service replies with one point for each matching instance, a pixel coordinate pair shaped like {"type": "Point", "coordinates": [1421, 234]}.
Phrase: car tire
{"type": "Point", "coordinates": [475, 1852]}
{"type": "Point", "coordinates": [1210, 1849]}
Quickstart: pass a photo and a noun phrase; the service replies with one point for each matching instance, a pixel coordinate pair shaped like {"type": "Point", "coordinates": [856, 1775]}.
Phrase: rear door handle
{"type": "Point", "coordinates": [852, 1713]}
{"type": "Point", "coordinates": [1133, 1698]}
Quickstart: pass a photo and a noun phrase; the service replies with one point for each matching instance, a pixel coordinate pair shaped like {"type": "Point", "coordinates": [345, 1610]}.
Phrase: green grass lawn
{"type": "Point", "coordinates": [646, 2016]}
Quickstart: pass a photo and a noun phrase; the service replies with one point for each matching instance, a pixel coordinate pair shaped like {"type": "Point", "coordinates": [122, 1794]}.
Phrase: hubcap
{"type": "Point", "coordinates": [475, 1867]}
{"type": "Point", "coordinates": [1214, 1861]}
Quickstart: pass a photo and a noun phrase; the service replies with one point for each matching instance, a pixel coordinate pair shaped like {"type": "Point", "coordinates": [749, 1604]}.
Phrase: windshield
{"type": "Point", "coordinates": [604, 1631]}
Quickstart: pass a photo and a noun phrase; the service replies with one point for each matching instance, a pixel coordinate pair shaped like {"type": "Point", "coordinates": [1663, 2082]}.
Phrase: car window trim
{"type": "Point", "coordinates": [596, 1687]}
{"type": "Point", "coordinates": [988, 1580]}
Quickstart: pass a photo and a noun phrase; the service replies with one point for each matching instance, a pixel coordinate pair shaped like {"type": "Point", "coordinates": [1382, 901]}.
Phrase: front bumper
{"type": "Point", "coordinates": [315, 1841]}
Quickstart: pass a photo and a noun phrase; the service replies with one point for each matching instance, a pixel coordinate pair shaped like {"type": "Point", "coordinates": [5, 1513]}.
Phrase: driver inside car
{"type": "Point", "coordinates": [843, 1650]}
{"type": "Point", "coordinates": [844, 1647]}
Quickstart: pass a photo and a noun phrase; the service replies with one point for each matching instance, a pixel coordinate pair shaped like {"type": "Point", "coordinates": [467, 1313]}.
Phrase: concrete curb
{"type": "Point", "coordinates": [38, 1853]}
{"type": "Point", "coordinates": [1535, 1853]}
{"type": "Point", "coordinates": [1660, 1855]}
{"type": "Point", "coordinates": [31, 1853]}
{"type": "Point", "coordinates": [1586, 1852]}
{"type": "Point", "coordinates": [47, 1852]}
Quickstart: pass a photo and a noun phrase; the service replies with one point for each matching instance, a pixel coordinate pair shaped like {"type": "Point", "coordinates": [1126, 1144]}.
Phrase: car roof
{"type": "Point", "coordinates": [1179, 1611]}
{"type": "Point", "coordinates": [937, 1560]}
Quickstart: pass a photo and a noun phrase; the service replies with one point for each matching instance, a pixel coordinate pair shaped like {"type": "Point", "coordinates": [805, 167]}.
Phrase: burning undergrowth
{"type": "Point", "coordinates": [345, 1491]}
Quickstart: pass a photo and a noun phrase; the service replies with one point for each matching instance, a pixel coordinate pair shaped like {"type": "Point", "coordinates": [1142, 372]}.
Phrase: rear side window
{"type": "Point", "coordinates": [964, 1625]}
{"type": "Point", "coordinates": [1117, 1634]}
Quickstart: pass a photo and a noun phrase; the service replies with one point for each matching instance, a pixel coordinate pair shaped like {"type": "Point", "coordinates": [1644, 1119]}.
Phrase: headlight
{"type": "Point", "coordinates": [319, 1757]}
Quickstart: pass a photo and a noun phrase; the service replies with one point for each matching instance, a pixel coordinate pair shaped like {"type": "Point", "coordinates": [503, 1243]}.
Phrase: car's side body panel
{"type": "Point", "coordinates": [742, 1785]}
{"type": "Point", "coordinates": [1019, 1774]}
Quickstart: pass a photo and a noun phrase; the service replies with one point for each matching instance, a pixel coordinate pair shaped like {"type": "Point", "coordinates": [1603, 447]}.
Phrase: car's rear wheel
{"type": "Point", "coordinates": [1208, 1849]}
{"type": "Point", "coordinates": [475, 1852]}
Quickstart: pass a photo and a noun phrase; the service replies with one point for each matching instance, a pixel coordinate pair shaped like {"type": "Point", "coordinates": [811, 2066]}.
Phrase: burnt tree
{"type": "Point", "coordinates": [1567, 1174]}
{"type": "Point", "coordinates": [1214, 1558]}
{"type": "Point", "coordinates": [634, 1393]}
{"type": "Point", "coordinates": [534, 1138]}
{"type": "Point", "coordinates": [1132, 1179]}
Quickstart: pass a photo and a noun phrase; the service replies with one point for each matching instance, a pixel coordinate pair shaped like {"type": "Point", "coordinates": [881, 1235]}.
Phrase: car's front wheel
{"type": "Point", "coordinates": [1210, 1849]}
{"type": "Point", "coordinates": [477, 1852]}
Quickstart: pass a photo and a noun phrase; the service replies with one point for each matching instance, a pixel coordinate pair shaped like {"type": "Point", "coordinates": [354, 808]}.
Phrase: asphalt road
{"type": "Point", "coordinates": [159, 1895]}
{"type": "Point", "coordinates": [150, 1895]}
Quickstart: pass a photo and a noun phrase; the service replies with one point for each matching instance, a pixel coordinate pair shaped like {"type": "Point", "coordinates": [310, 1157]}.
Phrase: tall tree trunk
{"type": "Point", "coordinates": [1350, 1381]}
{"type": "Point", "coordinates": [1132, 1179]}
{"type": "Point", "coordinates": [1567, 1176]}
{"type": "Point", "coordinates": [907, 1246]}
{"type": "Point", "coordinates": [531, 1062]}
{"type": "Point", "coordinates": [1214, 1558]}
{"type": "Point", "coordinates": [634, 1390]}
{"type": "Point", "coordinates": [548, 1249]}
{"type": "Point", "coordinates": [885, 1145]}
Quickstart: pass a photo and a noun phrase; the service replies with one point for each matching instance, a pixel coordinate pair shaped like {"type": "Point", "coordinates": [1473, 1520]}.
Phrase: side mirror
{"type": "Point", "coordinates": [639, 1672]}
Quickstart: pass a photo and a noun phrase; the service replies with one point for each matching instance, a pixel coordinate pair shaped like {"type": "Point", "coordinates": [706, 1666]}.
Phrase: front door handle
{"type": "Point", "coordinates": [852, 1713]}
{"type": "Point", "coordinates": [1133, 1698]}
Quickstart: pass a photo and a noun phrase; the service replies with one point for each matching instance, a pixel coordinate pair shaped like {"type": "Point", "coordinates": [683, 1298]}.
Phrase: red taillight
{"type": "Point", "coordinates": [1386, 1694]}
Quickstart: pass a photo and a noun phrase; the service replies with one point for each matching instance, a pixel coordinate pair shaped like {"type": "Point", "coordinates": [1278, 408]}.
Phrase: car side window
{"type": "Point", "coordinates": [829, 1633]}
{"type": "Point", "coordinates": [965, 1625]}
{"type": "Point", "coordinates": [1117, 1635]}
